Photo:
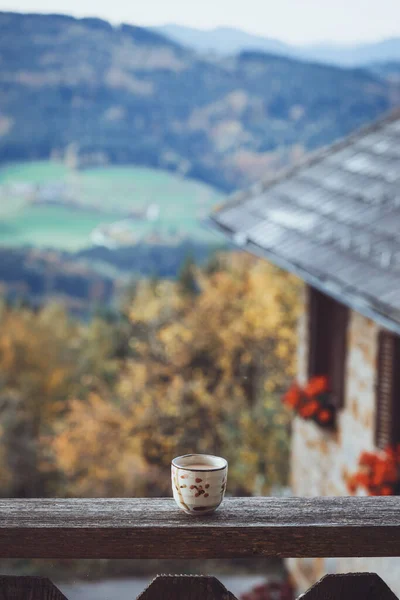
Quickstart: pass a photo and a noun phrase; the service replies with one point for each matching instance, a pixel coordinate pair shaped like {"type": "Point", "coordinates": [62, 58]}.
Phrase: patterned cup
{"type": "Point", "coordinates": [199, 482]}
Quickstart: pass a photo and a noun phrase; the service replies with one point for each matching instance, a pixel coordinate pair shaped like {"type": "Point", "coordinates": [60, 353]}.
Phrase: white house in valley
{"type": "Point", "coordinates": [335, 222]}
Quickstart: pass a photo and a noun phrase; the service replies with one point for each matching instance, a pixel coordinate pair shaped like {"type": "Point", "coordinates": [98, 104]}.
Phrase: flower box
{"type": "Point", "coordinates": [312, 402]}
{"type": "Point", "coordinates": [378, 473]}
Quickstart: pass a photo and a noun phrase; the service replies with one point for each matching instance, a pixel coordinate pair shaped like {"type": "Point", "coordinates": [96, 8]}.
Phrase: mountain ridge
{"type": "Point", "coordinates": [226, 40]}
{"type": "Point", "coordinates": [84, 91]}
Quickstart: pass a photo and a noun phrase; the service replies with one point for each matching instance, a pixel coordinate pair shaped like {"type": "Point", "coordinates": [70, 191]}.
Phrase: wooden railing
{"type": "Point", "coordinates": [243, 527]}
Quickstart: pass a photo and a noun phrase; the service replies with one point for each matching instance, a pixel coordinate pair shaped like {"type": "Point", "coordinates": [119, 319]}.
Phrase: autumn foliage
{"type": "Point", "coordinates": [312, 402]}
{"type": "Point", "coordinates": [378, 473]}
{"type": "Point", "coordinates": [99, 409]}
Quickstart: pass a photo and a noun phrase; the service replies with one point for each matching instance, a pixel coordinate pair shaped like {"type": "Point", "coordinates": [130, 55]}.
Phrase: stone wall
{"type": "Point", "coordinates": [321, 460]}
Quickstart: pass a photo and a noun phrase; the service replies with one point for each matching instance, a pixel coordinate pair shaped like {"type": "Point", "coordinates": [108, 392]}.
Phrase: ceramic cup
{"type": "Point", "coordinates": [199, 482]}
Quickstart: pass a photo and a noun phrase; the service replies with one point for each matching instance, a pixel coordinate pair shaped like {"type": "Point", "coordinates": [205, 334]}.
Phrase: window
{"type": "Point", "coordinates": [387, 430]}
{"type": "Point", "coordinates": [328, 342]}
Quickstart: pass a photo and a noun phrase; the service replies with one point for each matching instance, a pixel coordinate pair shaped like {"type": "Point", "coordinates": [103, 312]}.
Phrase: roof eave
{"type": "Point", "coordinates": [328, 286]}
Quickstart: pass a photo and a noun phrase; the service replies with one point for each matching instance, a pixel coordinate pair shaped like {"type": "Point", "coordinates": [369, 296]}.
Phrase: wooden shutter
{"type": "Point", "coordinates": [319, 333]}
{"type": "Point", "coordinates": [328, 321]}
{"type": "Point", "coordinates": [337, 371]}
{"type": "Point", "coordinates": [387, 429]}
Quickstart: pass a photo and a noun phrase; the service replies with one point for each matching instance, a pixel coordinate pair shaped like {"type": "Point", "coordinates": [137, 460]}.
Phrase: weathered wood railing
{"type": "Point", "coordinates": [243, 527]}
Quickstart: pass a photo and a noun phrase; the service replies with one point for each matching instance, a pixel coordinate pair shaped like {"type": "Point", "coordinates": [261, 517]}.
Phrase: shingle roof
{"type": "Point", "coordinates": [334, 221]}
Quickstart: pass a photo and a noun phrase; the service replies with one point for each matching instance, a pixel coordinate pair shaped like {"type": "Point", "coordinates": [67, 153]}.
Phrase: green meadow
{"type": "Point", "coordinates": [100, 197]}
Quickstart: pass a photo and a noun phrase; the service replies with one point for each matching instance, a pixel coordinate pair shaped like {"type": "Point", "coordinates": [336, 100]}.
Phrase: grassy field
{"type": "Point", "coordinates": [101, 196]}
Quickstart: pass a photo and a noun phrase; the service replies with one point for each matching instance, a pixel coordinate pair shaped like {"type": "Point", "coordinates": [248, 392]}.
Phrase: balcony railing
{"type": "Point", "coordinates": [242, 528]}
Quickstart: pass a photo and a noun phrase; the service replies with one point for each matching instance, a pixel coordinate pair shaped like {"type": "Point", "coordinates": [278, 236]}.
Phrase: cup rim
{"type": "Point", "coordinates": [188, 468]}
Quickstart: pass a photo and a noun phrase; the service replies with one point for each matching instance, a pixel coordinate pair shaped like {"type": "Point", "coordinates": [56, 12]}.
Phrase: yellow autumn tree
{"type": "Point", "coordinates": [221, 361]}
{"type": "Point", "coordinates": [98, 452]}
{"type": "Point", "coordinates": [36, 366]}
{"type": "Point", "coordinates": [205, 373]}
{"type": "Point", "coordinates": [45, 358]}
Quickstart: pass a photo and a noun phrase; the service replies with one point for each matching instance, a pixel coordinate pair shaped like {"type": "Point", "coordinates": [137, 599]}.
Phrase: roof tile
{"type": "Point", "coordinates": [334, 220]}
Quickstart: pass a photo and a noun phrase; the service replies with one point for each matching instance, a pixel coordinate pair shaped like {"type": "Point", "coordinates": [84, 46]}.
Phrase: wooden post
{"type": "Point", "coordinates": [351, 586]}
{"type": "Point", "coordinates": [28, 588]}
{"type": "Point", "coordinates": [186, 587]}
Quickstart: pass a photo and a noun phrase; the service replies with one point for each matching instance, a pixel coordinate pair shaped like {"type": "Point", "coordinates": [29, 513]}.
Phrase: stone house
{"type": "Point", "coordinates": [334, 221]}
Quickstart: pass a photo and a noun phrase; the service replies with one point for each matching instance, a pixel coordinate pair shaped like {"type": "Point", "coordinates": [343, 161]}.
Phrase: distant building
{"type": "Point", "coordinates": [335, 222]}
{"type": "Point", "coordinates": [19, 188]}
{"type": "Point", "coordinates": [152, 212]}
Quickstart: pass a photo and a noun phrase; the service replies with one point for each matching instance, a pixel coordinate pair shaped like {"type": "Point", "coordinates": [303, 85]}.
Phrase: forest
{"type": "Point", "coordinates": [199, 364]}
{"type": "Point", "coordinates": [127, 95]}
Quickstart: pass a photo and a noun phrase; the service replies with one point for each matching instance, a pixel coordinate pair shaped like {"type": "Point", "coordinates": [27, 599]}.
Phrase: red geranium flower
{"type": "Point", "coordinates": [367, 459]}
{"type": "Point", "coordinates": [316, 385]}
{"type": "Point", "coordinates": [325, 415]}
{"type": "Point", "coordinates": [379, 473]}
{"type": "Point", "coordinates": [311, 402]}
{"type": "Point", "coordinates": [293, 396]}
{"type": "Point", "coordinates": [309, 409]}
{"type": "Point", "coordinates": [386, 490]}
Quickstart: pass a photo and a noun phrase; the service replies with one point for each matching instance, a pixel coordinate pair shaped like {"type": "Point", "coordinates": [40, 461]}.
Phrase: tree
{"type": "Point", "coordinates": [100, 409]}
{"type": "Point", "coordinates": [36, 371]}
{"type": "Point", "coordinates": [45, 359]}
{"type": "Point", "coordinates": [205, 374]}
{"type": "Point", "coordinates": [187, 277]}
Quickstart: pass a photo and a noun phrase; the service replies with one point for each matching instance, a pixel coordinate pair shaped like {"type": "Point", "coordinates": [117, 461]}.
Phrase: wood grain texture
{"type": "Point", "coordinates": [29, 588]}
{"type": "Point", "coordinates": [242, 527]}
{"type": "Point", "coordinates": [351, 586]}
{"type": "Point", "coordinates": [186, 587]}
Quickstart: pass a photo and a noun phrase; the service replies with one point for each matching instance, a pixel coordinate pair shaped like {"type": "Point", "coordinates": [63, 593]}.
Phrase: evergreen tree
{"type": "Point", "coordinates": [187, 277]}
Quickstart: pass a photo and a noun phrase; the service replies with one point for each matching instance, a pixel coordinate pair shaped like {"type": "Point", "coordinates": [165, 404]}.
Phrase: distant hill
{"type": "Point", "coordinates": [40, 276]}
{"type": "Point", "coordinates": [223, 40]}
{"type": "Point", "coordinates": [89, 93]}
{"type": "Point", "coordinates": [362, 54]}
{"type": "Point", "coordinates": [226, 41]}
{"type": "Point", "coordinates": [387, 70]}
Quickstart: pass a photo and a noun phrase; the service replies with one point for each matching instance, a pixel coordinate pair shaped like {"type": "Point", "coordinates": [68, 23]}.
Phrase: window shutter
{"type": "Point", "coordinates": [328, 321]}
{"type": "Point", "coordinates": [387, 414]}
{"type": "Point", "coordinates": [319, 333]}
{"type": "Point", "coordinates": [312, 331]}
{"type": "Point", "coordinates": [339, 322]}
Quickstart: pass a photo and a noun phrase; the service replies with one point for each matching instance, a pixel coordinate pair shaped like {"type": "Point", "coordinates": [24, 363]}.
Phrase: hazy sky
{"type": "Point", "coordinates": [288, 20]}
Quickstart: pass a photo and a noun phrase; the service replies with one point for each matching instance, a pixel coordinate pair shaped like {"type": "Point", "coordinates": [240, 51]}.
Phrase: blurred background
{"type": "Point", "coordinates": [129, 332]}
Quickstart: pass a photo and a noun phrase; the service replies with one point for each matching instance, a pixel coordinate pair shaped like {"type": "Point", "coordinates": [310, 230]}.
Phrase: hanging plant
{"type": "Point", "coordinates": [312, 402]}
{"type": "Point", "coordinates": [378, 473]}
